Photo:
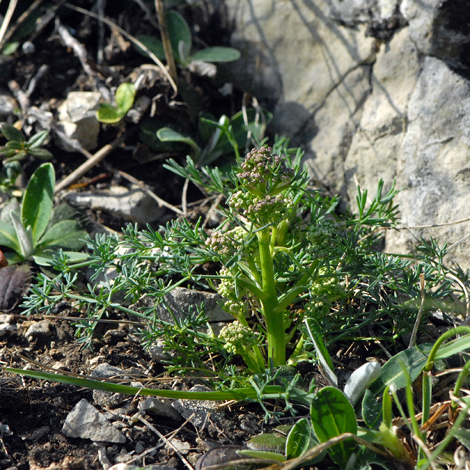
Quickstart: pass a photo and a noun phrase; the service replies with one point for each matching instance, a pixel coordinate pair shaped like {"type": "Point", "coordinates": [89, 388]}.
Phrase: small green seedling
{"type": "Point", "coordinates": [125, 95]}
{"type": "Point", "coordinates": [181, 43]}
{"type": "Point", "coordinates": [17, 148]}
{"type": "Point", "coordinates": [30, 234]}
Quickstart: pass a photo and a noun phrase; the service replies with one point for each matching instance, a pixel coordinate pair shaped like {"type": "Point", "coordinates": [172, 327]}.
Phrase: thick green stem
{"type": "Point", "coordinates": [274, 321]}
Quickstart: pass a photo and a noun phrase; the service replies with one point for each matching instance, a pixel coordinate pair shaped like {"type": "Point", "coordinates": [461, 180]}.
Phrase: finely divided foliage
{"type": "Point", "coordinates": [297, 275]}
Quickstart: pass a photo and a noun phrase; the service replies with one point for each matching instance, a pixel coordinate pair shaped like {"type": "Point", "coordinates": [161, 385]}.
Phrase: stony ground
{"type": "Point", "coordinates": [39, 428]}
{"type": "Point", "coordinates": [34, 81]}
{"type": "Point", "coordinates": [33, 412]}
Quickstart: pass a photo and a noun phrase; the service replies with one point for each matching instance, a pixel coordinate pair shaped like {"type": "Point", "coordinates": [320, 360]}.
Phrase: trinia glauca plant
{"type": "Point", "coordinates": [281, 256]}
{"type": "Point", "coordinates": [291, 272]}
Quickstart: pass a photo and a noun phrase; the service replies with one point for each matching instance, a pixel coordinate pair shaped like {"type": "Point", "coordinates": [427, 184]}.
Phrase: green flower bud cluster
{"type": "Point", "coordinates": [226, 244]}
{"type": "Point", "coordinates": [265, 172]}
{"type": "Point", "coordinates": [269, 209]}
{"type": "Point", "coordinates": [238, 338]}
{"type": "Point", "coordinates": [321, 237]}
{"type": "Point", "coordinates": [227, 290]}
{"type": "Point", "coordinates": [325, 291]}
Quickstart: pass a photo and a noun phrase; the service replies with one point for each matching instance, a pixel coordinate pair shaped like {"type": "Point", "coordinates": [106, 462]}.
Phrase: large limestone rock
{"type": "Point", "coordinates": [370, 89]}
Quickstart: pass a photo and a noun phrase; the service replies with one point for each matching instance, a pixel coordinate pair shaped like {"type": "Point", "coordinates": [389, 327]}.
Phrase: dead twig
{"type": "Point", "coordinates": [150, 193]}
{"type": "Point", "coordinates": [168, 442]}
{"type": "Point", "coordinates": [87, 166]}
{"type": "Point", "coordinates": [92, 161]}
{"type": "Point", "coordinates": [170, 60]}
{"type": "Point", "coordinates": [445, 224]}
{"type": "Point", "coordinates": [77, 48]}
{"type": "Point", "coordinates": [7, 19]}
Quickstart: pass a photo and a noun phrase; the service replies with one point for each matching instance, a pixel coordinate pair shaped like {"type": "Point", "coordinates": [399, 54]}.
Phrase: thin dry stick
{"type": "Point", "coordinates": [433, 225]}
{"type": "Point", "coordinates": [7, 19]}
{"type": "Point", "coordinates": [131, 38]}
{"type": "Point", "coordinates": [170, 436]}
{"type": "Point", "coordinates": [426, 451]}
{"type": "Point", "coordinates": [467, 300]}
{"type": "Point", "coordinates": [92, 161]}
{"type": "Point", "coordinates": [77, 48]}
{"type": "Point", "coordinates": [184, 200]}
{"type": "Point", "coordinates": [161, 436]}
{"type": "Point", "coordinates": [170, 60]}
{"type": "Point", "coordinates": [212, 209]}
{"type": "Point", "coordinates": [147, 191]}
{"type": "Point", "coordinates": [458, 242]}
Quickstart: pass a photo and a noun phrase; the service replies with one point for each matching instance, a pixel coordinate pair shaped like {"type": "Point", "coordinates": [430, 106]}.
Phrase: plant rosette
{"type": "Point", "coordinates": [29, 233]}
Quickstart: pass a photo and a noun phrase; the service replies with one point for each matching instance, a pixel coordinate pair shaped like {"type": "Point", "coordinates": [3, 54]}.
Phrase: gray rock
{"type": "Point", "coordinates": [87, 422]}
{"type": "Point", "coordinates": [203, 410]}
{"type": "Point", "coordinates": [77, 119]}
{"type": "Point", "coordinates": [39, 330]}
{"type": "Point", "coordinates": [102, 398]}
{"type": "Point", "coordinates": [6, 329]}
{"type": "Point", "coordinates": [440, 29]}
{"type": "Point", "coordinates": [114, 336]}
{"type": "Point", "coordinates": [433, 165]}
{"type": "Point", "coordinates": [157, 353]}
{"type": "Point", "coordinates": [133, 205]}
{"type": "Point", "coordinates": [8, 104]}
{"type": "Point", "coordinates": [380, 134]}
{"type": "Point", "coordinates": [7, 318]}
{"type": "Point", "coordinates": [158, 407]}
{"type": "Point", "coordinates": [179, 300]}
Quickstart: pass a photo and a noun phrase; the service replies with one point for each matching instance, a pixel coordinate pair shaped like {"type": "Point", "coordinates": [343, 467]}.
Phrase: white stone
{"type": "Point", "coordinates": [77, 119]}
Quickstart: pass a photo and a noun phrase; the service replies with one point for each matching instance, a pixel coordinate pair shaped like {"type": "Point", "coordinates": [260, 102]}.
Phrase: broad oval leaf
{"type": "Point", "coordinates": [153, 44]}
{"type": "Point", "coordinates": [36, 207]}
{"type": "Point", "coordinates": [46, 258]}
{"type": "Point", "coordinates": [165, 134]}
{"type": "Point", "coordinates": [298, 440]}
{"type": "Point", "coordinates": [392, 372]}
{"type": "Point", "coordinates": [217, 54]}
{"type": "Point", "coordinates": [125, 95]}
{"type": "Point", "coordinates": [360, 381]}
{"type": "Point", "coordinates": [372, 409]}
{"type": "Point", "coordinates": [108, 114]}
{"type": "Point", "coordinates": [24, 235]}
{"type": "Point", "coordinates": [392, 375]}
{"type": "Point", "coordinates": [267, 442]}
{"type": "Point", "coordinates": [64, 234]}
{"type": "Point", "coordinates": [42, 154]}
{"type": "Point", "coordinates": [8, 237]}
{"type": "Point", "coordinates": [180, 35]}
{"type": "Point", "coordinates": [332, 415]}
{"type": "Point", "coordinates": [14, 145]}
